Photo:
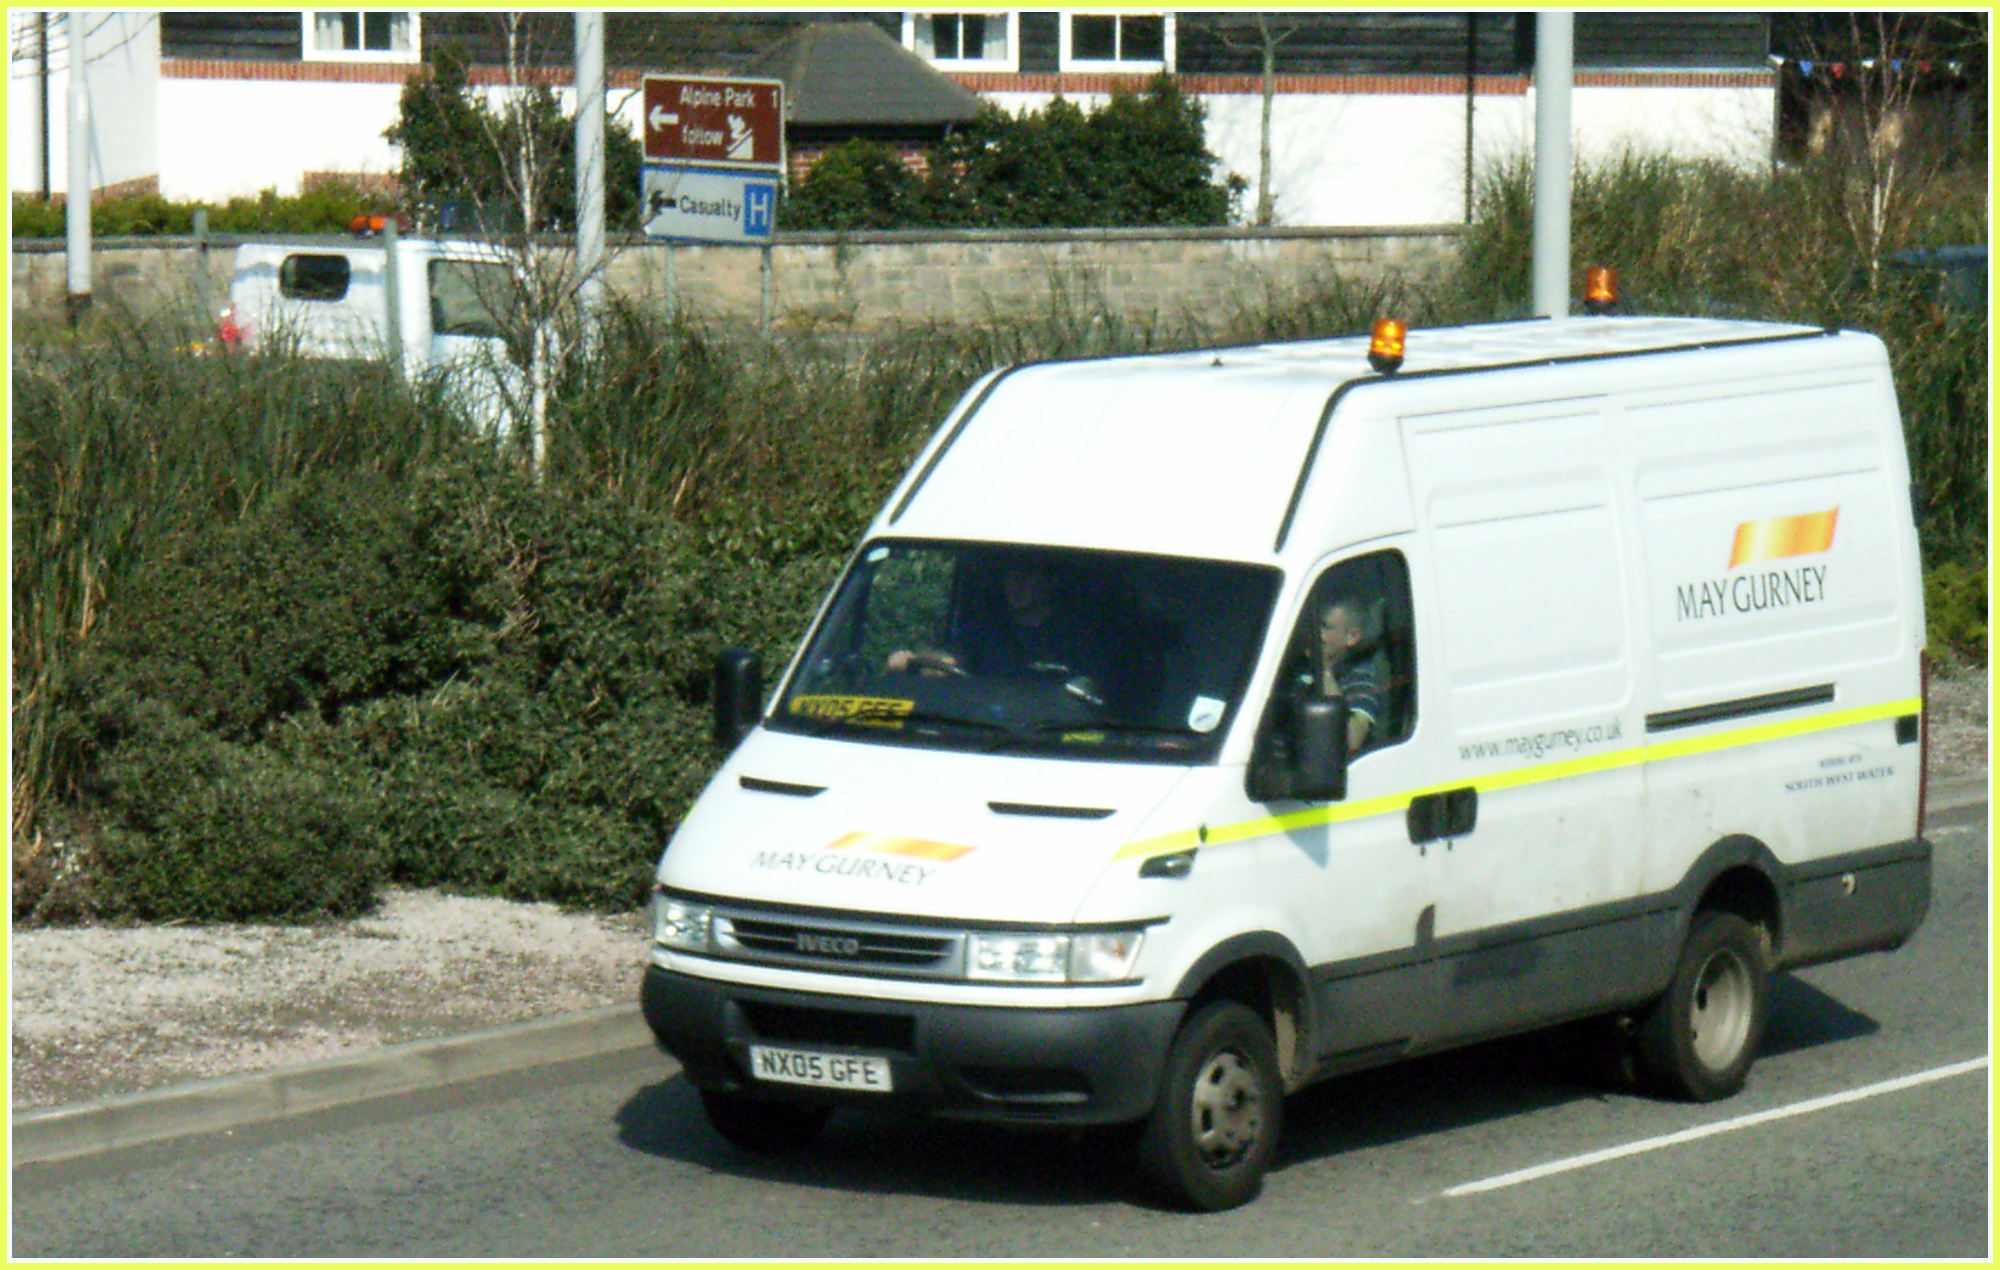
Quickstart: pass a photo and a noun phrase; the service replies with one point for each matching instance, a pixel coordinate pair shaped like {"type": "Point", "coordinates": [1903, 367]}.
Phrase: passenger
{"type": "Point", "coordinates": [1340, 675]}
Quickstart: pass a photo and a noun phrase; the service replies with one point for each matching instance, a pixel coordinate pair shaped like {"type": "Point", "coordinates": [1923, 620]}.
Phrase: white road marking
{"type": "Point", "coordinates": [1710, 1130]}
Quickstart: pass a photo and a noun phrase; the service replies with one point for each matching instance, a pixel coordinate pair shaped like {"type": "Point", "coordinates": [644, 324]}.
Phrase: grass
{"type": "Point", "coordinates": [774, 451]}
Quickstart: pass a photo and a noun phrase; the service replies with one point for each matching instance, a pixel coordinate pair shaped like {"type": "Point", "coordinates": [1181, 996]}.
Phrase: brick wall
{"type": "Point", "coordinates": [862, 281]}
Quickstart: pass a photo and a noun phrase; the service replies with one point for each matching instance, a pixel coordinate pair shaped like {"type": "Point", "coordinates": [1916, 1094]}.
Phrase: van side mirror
{"type": "Point", "coordinates": [1302, 753]}
{"type": "Point", "coordinates": [738, 695]}
{"type": "Point", "coordinates": [1319, 749]}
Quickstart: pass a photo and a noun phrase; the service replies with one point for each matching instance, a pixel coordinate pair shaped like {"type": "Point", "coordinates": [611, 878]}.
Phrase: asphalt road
{"type": "Point", "coordinates": [1863, 1133]}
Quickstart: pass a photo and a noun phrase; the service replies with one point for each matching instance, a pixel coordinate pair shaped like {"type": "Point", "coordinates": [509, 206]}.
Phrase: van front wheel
{"type": "Point", "coordinates": [762, 1127]}
{"type": "Point", "coordinates": [1215, 1127]}
{"type": "Point", "coordinates": [1699, 1040]}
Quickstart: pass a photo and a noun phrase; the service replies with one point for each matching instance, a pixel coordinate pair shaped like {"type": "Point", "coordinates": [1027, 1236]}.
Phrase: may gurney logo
{"type": "Point", "coordinates": [1782, 538]}
{"type": "Point", "coordinates": [1756, 590]}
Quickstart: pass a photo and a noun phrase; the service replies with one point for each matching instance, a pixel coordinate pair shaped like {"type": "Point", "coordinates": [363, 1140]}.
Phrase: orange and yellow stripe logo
{"type": "Point", "coordinates": [1759, 540]}
{"type": "Point", "coordinates": [896, 844]}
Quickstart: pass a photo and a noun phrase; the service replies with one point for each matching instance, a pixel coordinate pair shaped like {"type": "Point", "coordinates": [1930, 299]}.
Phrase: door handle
{"type": "Point", "coordinates": [1451, 813]}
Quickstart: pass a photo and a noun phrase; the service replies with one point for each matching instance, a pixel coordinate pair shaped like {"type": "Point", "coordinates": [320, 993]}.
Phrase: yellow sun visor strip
{"type": "Point", "coordinates": [1334, 813]}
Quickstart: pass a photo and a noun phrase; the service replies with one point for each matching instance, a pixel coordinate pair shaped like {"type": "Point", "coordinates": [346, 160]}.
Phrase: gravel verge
{"type": "Point", "coordinates": [99, 1011]}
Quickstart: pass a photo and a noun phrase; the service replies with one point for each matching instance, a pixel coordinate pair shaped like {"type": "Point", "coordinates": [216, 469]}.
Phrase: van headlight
{"type": "Point", "coordinates": [682, 926]}
{"type": "Point", "coordinates": [1087, 957]}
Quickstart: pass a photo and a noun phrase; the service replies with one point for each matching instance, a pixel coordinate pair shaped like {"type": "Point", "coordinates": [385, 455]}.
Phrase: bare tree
{"type": "Point", "coordinates": [1235, 33]}
{"type": "Point", "coordinates": [506, 151]}
{"type": "Point", "coordinates": [1878, 126]}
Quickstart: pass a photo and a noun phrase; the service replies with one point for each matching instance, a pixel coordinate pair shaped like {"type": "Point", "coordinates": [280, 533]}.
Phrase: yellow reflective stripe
{"type": "Point", "coordinates": [1334, 813]}
{"type": "Point", "coordinates": [1784, 728]}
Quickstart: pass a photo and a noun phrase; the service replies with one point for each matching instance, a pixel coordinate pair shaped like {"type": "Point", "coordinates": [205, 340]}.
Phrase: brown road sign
{"type": "Point", "coordinates": [731, 122]}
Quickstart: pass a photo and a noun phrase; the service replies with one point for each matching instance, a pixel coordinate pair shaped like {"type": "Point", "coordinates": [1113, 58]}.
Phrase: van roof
{"type": "Point", "coordinates": [1461, 348]}
{"type": "Point", "coordinates": [1201, 453]}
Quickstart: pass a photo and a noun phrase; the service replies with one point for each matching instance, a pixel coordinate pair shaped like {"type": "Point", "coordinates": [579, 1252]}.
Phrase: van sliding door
{"type": "Point", "coordinates": [1537, 815]}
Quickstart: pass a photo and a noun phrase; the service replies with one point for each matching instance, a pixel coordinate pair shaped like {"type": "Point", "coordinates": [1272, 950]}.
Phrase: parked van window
{"type": "Point", "coordinates": [313, 278]}
{"type": "Point", "coordinates": [467, 297]}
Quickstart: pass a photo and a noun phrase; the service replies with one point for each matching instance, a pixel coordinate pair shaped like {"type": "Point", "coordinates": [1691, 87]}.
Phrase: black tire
{"type": "Point", "coordinates": [760, 1126]}
{"type": "Point", "coordinates": [1215, 1128]}
{"type": "Point", "coordinates": [1698, 1041]}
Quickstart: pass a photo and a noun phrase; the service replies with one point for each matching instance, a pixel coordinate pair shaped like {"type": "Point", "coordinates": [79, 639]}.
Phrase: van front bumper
{"type": "Point", "coordinates": [1051, 1066]}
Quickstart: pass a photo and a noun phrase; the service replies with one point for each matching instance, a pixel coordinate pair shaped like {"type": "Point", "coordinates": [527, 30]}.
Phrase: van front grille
{"type": "Point", "coordinates": [829, 944]}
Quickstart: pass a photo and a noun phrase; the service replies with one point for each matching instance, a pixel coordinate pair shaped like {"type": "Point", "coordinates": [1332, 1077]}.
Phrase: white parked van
{"type": "Point", "coordinates": [328, 297]}
{"type": "Point", "coordinates": [1189, 728]}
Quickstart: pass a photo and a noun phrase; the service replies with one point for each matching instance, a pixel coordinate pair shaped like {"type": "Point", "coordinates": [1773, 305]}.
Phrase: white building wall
{"type": "Point", "coordinates": [278, 131]}
{"type": "Point", "coordinates": [1399, 158]}
{"type": "Point", "coordinates": [229, 138]}
{"type": "Point", "coordinates": [1732, 125]}
{"type": "Point", "coordinates": [1347, 160]}
{"type": "Point", "coordinates": [122, 73]}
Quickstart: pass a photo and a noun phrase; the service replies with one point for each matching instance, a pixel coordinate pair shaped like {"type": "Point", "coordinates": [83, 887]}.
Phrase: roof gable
{"type": "Point", "coordinates": [852, 73]}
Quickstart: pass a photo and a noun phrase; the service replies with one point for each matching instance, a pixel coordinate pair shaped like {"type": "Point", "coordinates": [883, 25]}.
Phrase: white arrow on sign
{"type": "Point", "coordinates": [660, 120]}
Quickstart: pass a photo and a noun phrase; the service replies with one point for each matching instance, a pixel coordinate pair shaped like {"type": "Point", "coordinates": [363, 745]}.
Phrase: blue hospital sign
{"type": "Point", "coordinates": [760, 207]}
{"type": "Point", "coordinates": [707, 204]}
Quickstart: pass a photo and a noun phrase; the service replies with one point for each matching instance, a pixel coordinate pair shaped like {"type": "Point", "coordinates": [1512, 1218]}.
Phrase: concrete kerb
{"type": "Point", "coordinates": [108, 1124]}
{"type": "Point", "coordinates": [230, 1102]}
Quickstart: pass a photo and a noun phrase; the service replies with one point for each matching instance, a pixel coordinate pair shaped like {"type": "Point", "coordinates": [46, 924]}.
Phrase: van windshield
{"type": "Point", "coordinates": [1036, 650]}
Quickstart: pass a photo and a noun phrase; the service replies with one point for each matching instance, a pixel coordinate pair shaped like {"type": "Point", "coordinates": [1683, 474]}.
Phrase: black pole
{"type": "Point", "coordinates": [42, 29]}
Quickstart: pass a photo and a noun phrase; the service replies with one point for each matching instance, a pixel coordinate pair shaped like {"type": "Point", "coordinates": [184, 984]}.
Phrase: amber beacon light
{"type": "Point", "coordinates": [1385, 346]}
{"type": "Point", "coordinates": [1600, 289]}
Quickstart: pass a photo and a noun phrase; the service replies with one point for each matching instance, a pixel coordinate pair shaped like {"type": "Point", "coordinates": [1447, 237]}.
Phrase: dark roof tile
{"type": "Point", "coordinates": [852, 73]}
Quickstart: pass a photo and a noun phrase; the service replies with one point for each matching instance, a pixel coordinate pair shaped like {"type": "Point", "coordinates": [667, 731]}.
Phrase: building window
{"type": "Point", "coordinates": [1118, 42]}
{"type": "Point", "coordinates": [361, 35]}
{"type": "Point", "coordinates": [963, 41]}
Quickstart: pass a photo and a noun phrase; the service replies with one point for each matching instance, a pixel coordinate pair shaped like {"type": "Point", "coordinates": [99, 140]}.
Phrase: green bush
{"type": "Point", "coordinates": [325, 209]}
{"type": "Point", "coordinates": [299, 609]}
{"type": "Point", "coordinates": [459, 147]}
{"type": "Point", "coordinates": [1140, 159]}
{"type": "Point", "coordinates": [857, 184]}
{"type": "Point", "coordinates": [1955, 611]}
{"type": "Point", "coordinates": [210, 831]}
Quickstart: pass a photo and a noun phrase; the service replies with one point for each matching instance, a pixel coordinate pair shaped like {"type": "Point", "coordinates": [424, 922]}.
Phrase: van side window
{"type": "Point", "coordinates": [1356, 642]}
{"type": "Point", "coordinates": [313, 278]}
{"type": "Point", "coordinates": [468, 297]}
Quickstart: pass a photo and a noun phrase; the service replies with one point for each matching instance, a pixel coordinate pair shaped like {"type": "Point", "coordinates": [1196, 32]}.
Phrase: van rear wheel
{"type": "Point", "coordinates": [1698, 1040]}
{"type": "Point", "coordinates": [1215, 1127]}
{"type": "Point", "coordinates": [763, 1127]}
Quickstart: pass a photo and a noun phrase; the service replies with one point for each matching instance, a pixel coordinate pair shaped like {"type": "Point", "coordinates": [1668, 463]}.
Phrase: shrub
{"type": "Point", "coordinates": [214, 832]}
{"type": "Point", "coordinates": [299, 609]}
{"type": "Point", "coordinates": [1955, 611]}
{"type": "Point", "coordinates": [1140, 159]}
{"type": "Point", "coordinates": [857, 184]}
{"type": "Point", "coordinates": [325, 209]}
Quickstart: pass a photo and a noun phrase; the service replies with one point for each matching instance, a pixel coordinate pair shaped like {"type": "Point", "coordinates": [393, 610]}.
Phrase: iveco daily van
{"type": "Point", "coordinates": [1189, 728]}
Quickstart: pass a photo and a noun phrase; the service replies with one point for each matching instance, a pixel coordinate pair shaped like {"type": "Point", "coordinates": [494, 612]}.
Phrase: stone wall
{"type": "Point", "coordinates": [858, 281]}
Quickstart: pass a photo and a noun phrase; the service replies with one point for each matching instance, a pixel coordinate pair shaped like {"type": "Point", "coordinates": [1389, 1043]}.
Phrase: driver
{"type": "Point", "coordinates": [1033, 634]}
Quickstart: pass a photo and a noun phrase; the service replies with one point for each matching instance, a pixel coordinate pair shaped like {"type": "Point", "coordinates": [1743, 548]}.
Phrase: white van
{"type": "Point", "coordinates": [1190, 728]}
{"type": "Point", "coordinates": [328, 297]}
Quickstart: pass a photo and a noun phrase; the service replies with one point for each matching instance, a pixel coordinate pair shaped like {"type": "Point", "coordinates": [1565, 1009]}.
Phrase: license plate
{"type": "Point", "coordinates": [864, 1073]}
